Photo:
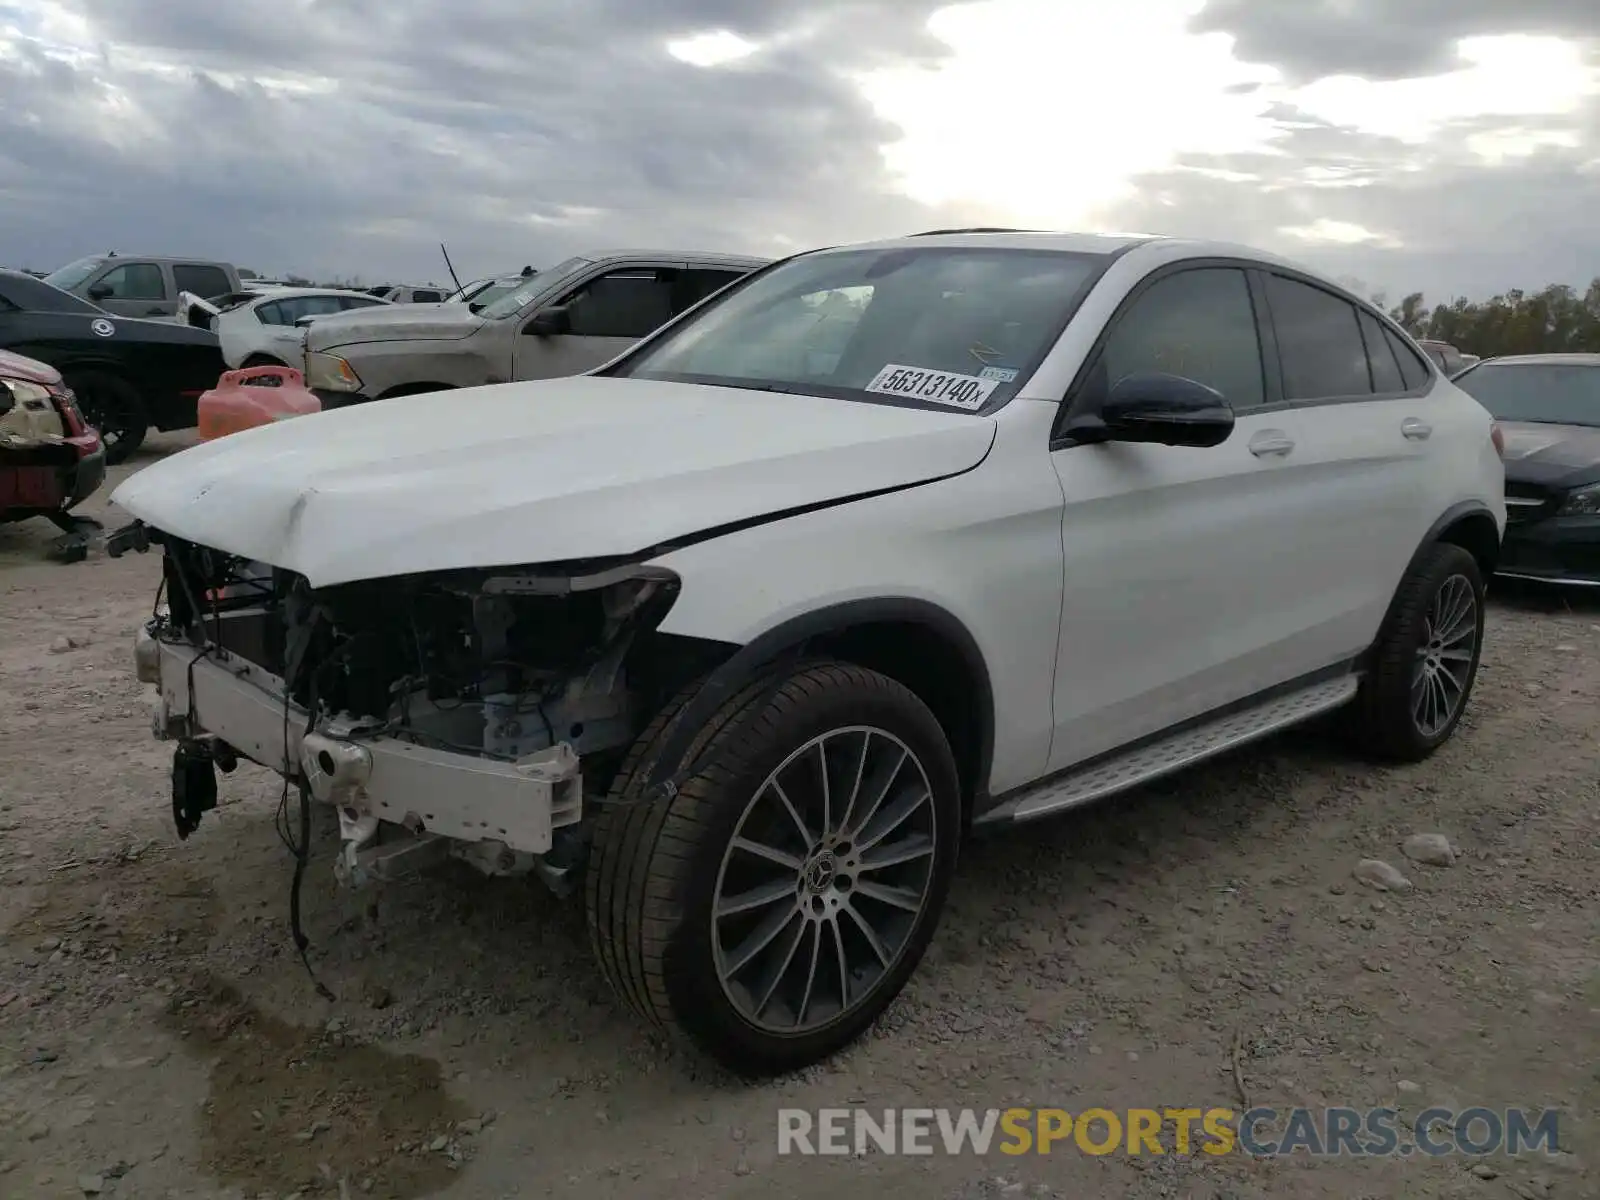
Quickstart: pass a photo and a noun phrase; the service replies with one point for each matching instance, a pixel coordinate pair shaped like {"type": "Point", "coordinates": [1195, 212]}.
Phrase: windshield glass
{"type": "Point", "coordinates": [514, 301]}
{"type": "Point", "coordinates": [74, 273]}
{"type": "Point", "coordinates": [1548, 393]}
{"type": "Point", "coordinates": [493, 290]}
{"type": "Point", "coordinates": [929, 326]}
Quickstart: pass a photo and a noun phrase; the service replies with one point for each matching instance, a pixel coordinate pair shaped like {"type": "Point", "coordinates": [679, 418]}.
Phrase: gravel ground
{"type": "Point", "coordinates": [159, 1037]}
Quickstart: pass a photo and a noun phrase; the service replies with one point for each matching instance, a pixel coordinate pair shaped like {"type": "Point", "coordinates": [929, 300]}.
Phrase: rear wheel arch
{"type": "Point", "coordinates": [915, 642]}
{"type": "Point", "coordinates": [1472, 527]}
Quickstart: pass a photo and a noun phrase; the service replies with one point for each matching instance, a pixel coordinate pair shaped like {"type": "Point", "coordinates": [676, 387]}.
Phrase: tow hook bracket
{"type": "Point", "coordinates": [194, 784]}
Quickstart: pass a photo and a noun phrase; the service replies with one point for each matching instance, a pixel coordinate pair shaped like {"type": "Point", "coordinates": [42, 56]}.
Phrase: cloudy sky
{"type": "Point", "coordinates": [1445, 145]}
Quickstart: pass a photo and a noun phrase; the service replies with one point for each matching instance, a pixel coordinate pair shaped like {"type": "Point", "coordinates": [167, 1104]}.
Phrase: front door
{"type": "Point", "coordinates": [604, 315]}
{"type": "Point", "coordinates": [133, 289]}
{"type": "Point", "coordinates": [1184, 567]}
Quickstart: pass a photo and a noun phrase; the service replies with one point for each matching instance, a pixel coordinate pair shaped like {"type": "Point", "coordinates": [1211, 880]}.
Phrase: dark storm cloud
{"type": "Point", "coordinates": [1382, 39]}
{"type": "Point", "coordinates": [513, 130]}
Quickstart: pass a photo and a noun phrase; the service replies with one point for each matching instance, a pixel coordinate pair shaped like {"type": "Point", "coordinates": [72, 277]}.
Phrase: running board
{"type": "Point", "coordinates": [1175, 751]}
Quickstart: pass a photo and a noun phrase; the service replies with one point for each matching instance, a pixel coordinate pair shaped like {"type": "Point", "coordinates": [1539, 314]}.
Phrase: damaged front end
{"type": "Point", "coordinates": [462, 713]}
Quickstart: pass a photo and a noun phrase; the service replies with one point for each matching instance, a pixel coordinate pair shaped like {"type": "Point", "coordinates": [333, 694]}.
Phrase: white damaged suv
{"type": "Point", "coordinates": [748, 628]}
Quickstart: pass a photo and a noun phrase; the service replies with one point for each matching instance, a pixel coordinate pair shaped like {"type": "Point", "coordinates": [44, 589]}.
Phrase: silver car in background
{"type": "Point", "coordinates": [564, 320]}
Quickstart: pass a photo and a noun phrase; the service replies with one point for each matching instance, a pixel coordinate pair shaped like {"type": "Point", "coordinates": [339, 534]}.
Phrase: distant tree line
{"type": "Point", "coordinates": [1558, 318]}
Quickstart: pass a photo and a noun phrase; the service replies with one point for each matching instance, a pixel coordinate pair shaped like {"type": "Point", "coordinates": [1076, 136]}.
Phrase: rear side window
{"type": "Point", "coordinates": [1319, 342]}
{"type": "Point", "coordinates": [1413, 368]}
{"type": "Point", "coordinates": [424, 296]}
{"type": "Point", "coordinates": [1386, 376]}
{"type": "Point", "coordinates": [272, 314]}
{"type": "Point", "coordinates": [203, 281]}
{"type": "Point", "coordinates": [1199, 324]}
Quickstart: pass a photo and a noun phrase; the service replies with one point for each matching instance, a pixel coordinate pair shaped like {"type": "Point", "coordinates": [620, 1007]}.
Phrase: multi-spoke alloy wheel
{"type": "Point", "coordinates": [823, 880]}
{"type": "Point", "coordinates": [1446, 659]}
{"type": "Point", "coordinates": [773, 905]}
{"type": "Point", "coordinates": [1422, 666]}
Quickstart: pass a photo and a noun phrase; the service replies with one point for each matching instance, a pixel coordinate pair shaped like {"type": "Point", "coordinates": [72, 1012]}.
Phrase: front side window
{"type": "Point", "coordinates": [630, 303]}
{"type": "Point", "coordinates": [935, 327]}
{"type": "Point", "coordinates": [1199, 324]}
{"type": "Point", "coordinates": [1319, 342]}
{"type": "Point", "coordinates": [1544, 393]}
{"type": "Point", "coordinates": [346, 303]}
{"type": "Point", "coordinates": [134, 281]}
{"type": "Point", "coordinates": [424, 296]}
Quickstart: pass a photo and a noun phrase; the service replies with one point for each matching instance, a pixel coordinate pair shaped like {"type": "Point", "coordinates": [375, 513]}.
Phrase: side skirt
{"type": "Point", "coordinates": [1174, 749]}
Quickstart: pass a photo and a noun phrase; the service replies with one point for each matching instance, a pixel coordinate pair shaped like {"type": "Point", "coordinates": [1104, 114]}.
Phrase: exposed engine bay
{"type": "Point", "coordinates": [516, 666]}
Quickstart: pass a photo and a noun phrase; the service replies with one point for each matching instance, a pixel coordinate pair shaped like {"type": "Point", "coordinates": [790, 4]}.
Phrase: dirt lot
{"type": "Point", "coordinates": [159, 1038]}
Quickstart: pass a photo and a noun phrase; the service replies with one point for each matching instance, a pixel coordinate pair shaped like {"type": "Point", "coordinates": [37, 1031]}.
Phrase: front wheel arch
{"type": "Point", "coordinates": [919, 644]}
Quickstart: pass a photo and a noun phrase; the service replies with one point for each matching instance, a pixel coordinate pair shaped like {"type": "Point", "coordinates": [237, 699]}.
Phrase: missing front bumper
{"type": "Point", "coordinates": [501, 815]}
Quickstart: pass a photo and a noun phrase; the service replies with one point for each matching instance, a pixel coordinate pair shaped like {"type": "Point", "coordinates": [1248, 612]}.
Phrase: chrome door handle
{"type": "Point", "coordinates": [1271, 441]}
{"type": "Point", "coordinates": [1416, 430]}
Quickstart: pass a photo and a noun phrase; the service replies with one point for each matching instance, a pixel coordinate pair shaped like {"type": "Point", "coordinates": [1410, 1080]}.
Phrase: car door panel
{"type": "Point", "coordinates": [1149, 530]}
{"type": "Point", "coordinates": [1356, 443]}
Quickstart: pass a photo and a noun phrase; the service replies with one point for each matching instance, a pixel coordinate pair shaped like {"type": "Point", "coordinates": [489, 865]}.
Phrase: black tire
{"type": "Point", "coordinates": [657, 866]}
{"type": "Point", "coordinates": [113, 406]}
{"type": "Point", "coordinates": [1384, 720]}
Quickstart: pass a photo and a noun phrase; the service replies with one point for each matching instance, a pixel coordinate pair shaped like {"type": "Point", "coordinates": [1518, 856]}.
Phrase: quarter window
{"type": "Point", "coordinates": [1199, 324]}
{"type": "Point", "coordinates": [1413, 368]}
{"type": "Point", "coordinates": [1386, 376]}
{"type": "Point", "coordinates": [134, 281]}
{"type": "Point", "coordinates": [1319, 342]}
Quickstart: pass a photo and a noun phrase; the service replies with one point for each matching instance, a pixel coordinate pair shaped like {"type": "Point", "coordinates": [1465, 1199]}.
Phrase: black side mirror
{"type": "Point", "coordinates": [100, 292]}
{"type": "Point", "coordinates": [548, 322]}
{"type": "Point", "coordinates": [1168, 410]}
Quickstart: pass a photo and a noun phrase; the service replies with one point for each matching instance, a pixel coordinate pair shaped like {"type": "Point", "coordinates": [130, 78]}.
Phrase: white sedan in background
{"type": "Point", "coordinates": [262, 328]}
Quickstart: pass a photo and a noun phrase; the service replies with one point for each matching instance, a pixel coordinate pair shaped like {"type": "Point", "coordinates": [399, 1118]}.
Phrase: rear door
{"type": "Point", "coordinates": [1359, 404]}
{"type": "Point", "coordinates": [605, 313]}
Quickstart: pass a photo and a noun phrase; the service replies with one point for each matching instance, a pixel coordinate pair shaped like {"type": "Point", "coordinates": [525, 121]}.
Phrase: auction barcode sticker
{"type": "Point", "coordinates": [939, 387]}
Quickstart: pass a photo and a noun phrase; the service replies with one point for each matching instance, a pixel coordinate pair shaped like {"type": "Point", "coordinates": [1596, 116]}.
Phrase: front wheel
{"type": "Point", "coordinates": [774, 907]}
{"type": "Point", "coordinates": [1425, 660]}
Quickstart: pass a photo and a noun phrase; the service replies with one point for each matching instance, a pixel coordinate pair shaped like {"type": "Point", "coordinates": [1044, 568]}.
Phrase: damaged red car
{"type": "Point", "coordinates": [50, 458]}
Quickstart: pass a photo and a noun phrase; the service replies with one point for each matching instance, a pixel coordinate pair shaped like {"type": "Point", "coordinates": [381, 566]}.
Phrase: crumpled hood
{"type": "Point", "coordinates": [394, 323]}
{"type": "Point", "coordinates": [539, 472]}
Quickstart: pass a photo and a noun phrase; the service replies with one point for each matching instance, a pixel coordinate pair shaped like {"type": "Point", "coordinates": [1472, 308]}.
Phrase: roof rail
{"type": "Point", "coordinates": [974, 229]}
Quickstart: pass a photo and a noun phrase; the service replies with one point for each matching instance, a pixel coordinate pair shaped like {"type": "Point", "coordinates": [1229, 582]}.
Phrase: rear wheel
{"type": "Point", "coordinates": [113, 406]}
{"type": "Point", "coordinates": [776, 904]}
{"type": "Point", "coordinates": [1426, 658]}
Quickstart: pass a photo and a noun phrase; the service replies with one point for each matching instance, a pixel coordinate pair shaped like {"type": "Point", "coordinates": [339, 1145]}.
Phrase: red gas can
{"type": "Point", "coordinates": [254, 396]}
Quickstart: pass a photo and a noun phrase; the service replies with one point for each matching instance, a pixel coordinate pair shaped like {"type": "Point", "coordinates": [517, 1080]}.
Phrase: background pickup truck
{"type": "Point", "coordinates": [143, 286]}
{"type": "Point", "coordinates": [562, 321]}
